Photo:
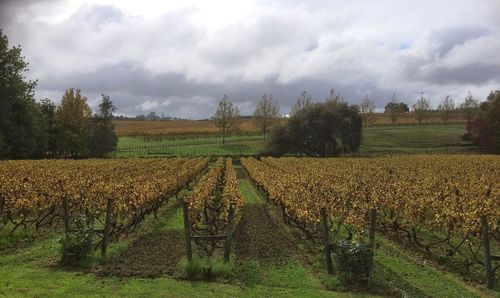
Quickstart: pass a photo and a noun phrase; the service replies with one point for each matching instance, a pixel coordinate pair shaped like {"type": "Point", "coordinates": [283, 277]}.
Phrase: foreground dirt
{"type": "Point", "coordinates": [150, 255]}
{"type": "Point", "coordinates": [259, 236]}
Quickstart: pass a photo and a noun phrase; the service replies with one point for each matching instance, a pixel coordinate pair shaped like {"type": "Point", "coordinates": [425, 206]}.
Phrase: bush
{"type": "Point", "coordinates": [484, 131]}
{"type": "Point", "coordinates": [77, 246]}
{"type": "Point", "coordinates": [324, 129]}
{"type": "Point", "coordinates": [354, 260]}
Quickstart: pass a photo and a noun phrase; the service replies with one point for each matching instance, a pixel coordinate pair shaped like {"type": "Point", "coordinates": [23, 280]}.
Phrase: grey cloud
{"type": "Point", "coordinates": [468, 74]}
{"type": "Point", "coordinates": [177, 64]}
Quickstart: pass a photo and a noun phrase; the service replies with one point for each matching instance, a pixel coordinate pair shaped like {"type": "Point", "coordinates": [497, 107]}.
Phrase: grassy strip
{"type": "Point", "coordinates": [416, 278]}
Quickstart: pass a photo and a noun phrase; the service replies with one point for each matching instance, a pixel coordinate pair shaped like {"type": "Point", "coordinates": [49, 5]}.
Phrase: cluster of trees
{"type": "Point", "coordinates": [31, 129]}
{"type": "Point", "coordinates": [484, 129]}
{"type": "Point", "coordinates": [329, 128]}
{"type": "Point", "coordinates": [422, 109]}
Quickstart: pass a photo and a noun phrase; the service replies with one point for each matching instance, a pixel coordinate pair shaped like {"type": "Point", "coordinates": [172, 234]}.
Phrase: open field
{"type": "Point", "coordinates": [412, 139]}
{"type": "Point", "coordinates": [269, 258]}
{"type": "Point", "coordinates": [156, 130]}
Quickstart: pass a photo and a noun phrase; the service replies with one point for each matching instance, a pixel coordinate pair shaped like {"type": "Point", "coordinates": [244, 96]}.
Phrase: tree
{"type": "Point", "coordinates": [367, 110]}
{"type": "Point", "coordinates": [446, 107]}
{"type": "Point", "coordinates": [469, 107]}
{"type": "Point", "coordinates": [266, 114]}
{"type": "Point", "coordinates": [49, 110]}
{"type": "Point", "coordinates": [227, 117]}
{"type": "Point", "coordinates": [323, 129]}
{"type": "Point", "coordinates": [422, 109]}
{"type": "Point", "coordinates": [303, 101]}
{"type": "Point", "coordinates": [334, 96]}
{"type": "Point", "coordinates": [104, 138]}
{"type": "Point", "coordinates": [392, 109]}
{"type": "Point", "coordinates": [73, 124]}
{"type": "Point", "coordinates": [484, 131]}
{"type": "Point", "coordinates": [21, 128]}
{"type": "Point", "coordinates": [403, 108]}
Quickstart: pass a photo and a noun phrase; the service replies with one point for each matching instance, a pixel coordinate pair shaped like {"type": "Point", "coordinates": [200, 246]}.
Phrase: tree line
{"type": "Point", "coordinates": [333, 127]}
{"type": "Point", "coordinates": [422, 109]}
{"type": "Point", "coordinates": [31, 129]}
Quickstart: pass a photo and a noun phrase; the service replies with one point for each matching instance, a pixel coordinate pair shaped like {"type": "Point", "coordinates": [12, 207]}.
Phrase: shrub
{"type": "Point", "coordinates": [77, 246]}
{"type": "Point", "coordinates": [354, 260]}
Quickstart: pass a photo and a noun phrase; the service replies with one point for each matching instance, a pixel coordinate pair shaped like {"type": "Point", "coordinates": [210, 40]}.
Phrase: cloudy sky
{"type": "Point", "coordinates": [180, 57]}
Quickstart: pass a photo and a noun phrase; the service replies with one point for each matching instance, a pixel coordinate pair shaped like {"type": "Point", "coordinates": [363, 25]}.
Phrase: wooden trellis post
{"type": "Point", "coordinates": [66, 217]}
{"type": "Point", "coordinates": [485, 233]}
{"type": "Point", "coordinates": [326, 238]}
{"type": "Point", "coordinates": [229, 234]}
{"type": "Point", "coordinates": [371, 239]}
{"type": "Point", "coordinates": [107, 226]}
{"type": "Point", "coordinates": [187, 231]}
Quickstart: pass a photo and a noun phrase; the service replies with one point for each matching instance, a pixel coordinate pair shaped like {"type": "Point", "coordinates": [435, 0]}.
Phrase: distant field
{"type": "Point", "coordinates": [157, 130]}
{"type": "Point", "coordinates": [377, 140]}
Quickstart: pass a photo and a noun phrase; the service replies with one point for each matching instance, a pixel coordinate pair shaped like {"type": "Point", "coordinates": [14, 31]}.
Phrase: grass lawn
{"type": "Point", "coordinates": [414, 139]}
{"type": "Point", "coordinates": [431, 139]}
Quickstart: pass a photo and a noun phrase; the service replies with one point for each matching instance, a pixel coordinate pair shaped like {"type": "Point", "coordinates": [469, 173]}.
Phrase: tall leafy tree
{"type": "Point", "coordinates": [330, 128]}
{"type": "Point", "coordinates": [266, 114]}
{"type": "Point", "coordinates": [49, 110]}
{"type": "Point", "coordinates": [21, 127]}
{"type": "Point", "coordinates": [104, 138]}
{"type": "Point", "coordinates": [485, 129]}
{"type": "Point", "coordinates": [227, 117]}
{"type": "Point", "coordinates": [73, 124]}
{"type": "Point", "coordinates": [421, 109]}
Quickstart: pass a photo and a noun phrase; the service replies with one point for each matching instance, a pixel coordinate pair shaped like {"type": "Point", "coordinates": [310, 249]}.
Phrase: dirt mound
{"type": "Point", "coordinates": [259, 237]}
{"type": "Point", "coordinates": [150, 255]}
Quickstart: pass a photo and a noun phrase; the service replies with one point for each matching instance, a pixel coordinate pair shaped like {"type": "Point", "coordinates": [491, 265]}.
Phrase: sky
{"type": "Point", "coordinates": [179, 58]}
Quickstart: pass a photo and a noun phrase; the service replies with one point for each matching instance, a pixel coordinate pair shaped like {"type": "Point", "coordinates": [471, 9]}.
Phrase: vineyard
{"type": "Point", "coordinates": [435, 203]}
{"type": "Point", "coordinates": [35, 194]}
{"type": "Point", "coordinates": [176, 214]}
{"type": "Point", "coordinates": [212, 209]}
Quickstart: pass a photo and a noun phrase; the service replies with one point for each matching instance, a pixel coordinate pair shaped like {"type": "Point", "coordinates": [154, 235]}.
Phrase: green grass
{"type": "Point", "coordinates": [416, 278]}
{"type": "Point", "coordinates": [27, 273]}
{"type": "Point", "coordinates": [377, 140]}
{"type": "Point", "coordinates": [250, 196]}
{"type": "Point", "coordinates": [414, 139]}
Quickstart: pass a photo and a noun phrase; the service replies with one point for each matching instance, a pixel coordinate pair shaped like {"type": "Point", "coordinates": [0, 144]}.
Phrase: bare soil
{"type": "Point", "coordinates": [150, 255]}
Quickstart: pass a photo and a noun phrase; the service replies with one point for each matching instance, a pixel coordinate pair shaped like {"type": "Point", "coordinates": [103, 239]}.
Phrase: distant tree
{"type": "Point", "coordinates": [323, 129]}
{"type": "Point", "coordinates": [227, 118]}
{"type": "Point", "coordinates": [303, 101]}
{"type": "Point", "coordinates": [392, 109]}
{"type": "Point", "coordinates": [470, 107]}
{"type": "Point", "coordinates": [140, 117]}
{"type": "Point", "coordinates": [104, 138]}
{"type": "Point", "coordinates": [334, 96]}
{"type": "Point", "coordinates": [266, 114]}
{"type": "Point", "coordinates": [367, 110]}
{"type": "Point", "coordinates": [484, 131]}
{"type": "Point", "coordinates": [22, 131]}
{"type": "Point", "coordinates": [446, 108]}
{"type": "Point", "coordinates": [73, 124]}
{"type": "Point", "coordinates": [422, 108]}
{"type": "Point", "coordinates": [403, 108]}
{"type": "Point", "coordinates": [49, 110]}
{"type": "Point", "coordinates": [152, 116]}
